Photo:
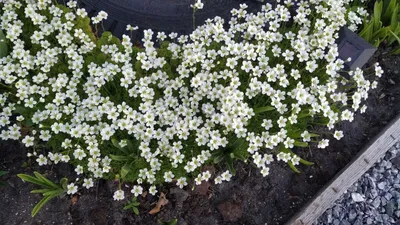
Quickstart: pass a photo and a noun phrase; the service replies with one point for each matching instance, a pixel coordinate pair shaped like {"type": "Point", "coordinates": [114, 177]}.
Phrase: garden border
{"type": "Point", "coordinates": [369, 155]}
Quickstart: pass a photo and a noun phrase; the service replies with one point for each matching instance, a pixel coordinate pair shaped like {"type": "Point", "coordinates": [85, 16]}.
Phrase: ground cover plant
{"type": "Point", "coordinates": [146, 116]}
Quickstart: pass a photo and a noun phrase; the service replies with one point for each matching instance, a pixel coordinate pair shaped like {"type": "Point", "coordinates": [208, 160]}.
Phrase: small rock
{"type": "Point", "coordinates": [376, 202]}
{"type": "Point", "coordinates": [352, 215]}
{"type": "Point", "coordinates": [329, 218]}
{"type": "Point", "coordinates": [180, 196]}
{"type": "Point", "coordinates": [336, 211]}
{"type": "Point", "coordinates": [388, 196]}
{"type": "Point", "coordinates": [390, 208]}
{"type": "Point", "coordinates": [371, 182]}
{"type": "Point", "coordinates": [357, 197]}
{"type": "Point", "coordinates": [383, 201]}
{"type": "Point", "coordinates": [336, 222]}
{"type": "Point", "coordinates": [369, 221]}
{"type": "Point", "coordinates": [388, 165]}
{"type": "Point", "coordinates": [397, 213]}
{"type": "Point", "coordinates": [382, 185]}
{"type": "Point", "coordinates": [396, 161]}
{"type": "Point", "coordinates": [344, 222]}
{"type": "Point", "coordinates": [385, 217]}
{"type": "Point", "coordinates": [358, 222]}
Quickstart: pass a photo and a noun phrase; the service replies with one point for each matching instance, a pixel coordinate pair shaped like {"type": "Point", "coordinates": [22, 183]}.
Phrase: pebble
{"type": "Point", "coordinates": [373, 199]}
{"type": "Point", "coordinates": [376, 202]}
{"type": "Point", "coordinates": [382, 185]}
{"type": "Point", "coordinates": [357, 197]}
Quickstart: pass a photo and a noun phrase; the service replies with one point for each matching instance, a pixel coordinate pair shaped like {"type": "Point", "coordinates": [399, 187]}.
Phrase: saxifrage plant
{"type": "Point", "coordinates": [146, 116]}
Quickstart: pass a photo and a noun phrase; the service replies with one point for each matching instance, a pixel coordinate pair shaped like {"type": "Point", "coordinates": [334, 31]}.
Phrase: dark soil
{"type": "Point", "coordinates": [248, 199]}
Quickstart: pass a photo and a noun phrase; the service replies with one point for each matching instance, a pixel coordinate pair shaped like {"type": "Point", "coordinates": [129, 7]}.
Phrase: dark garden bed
{"type": "Point", "coordinates": [247, 199]}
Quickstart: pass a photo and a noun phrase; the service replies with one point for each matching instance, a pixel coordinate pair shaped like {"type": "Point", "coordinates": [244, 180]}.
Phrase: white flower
{"type": "Point", "coordinates": [198, 5]}
{"type": "Point", "coordinates": [226, 176]}
{"type": "Point", "coordinates": [218, 180]}
{"type": "Point", "coordinates": [137, 190]}
{"type": "Point", "coordinates": [265, 171]}
{"type": "Point", "coordinates": [88, 183]}
{"type": "Point", "coordinates": [72, 189]}
{"type": "Point", "coordinates": [181, 182]}
{"type": "Point", "coordinates": [42, 160]}
{"type": "Point", "coordinates": [323, 143]}
{"type": "Point", "coordinates": [131, 28]}
{"type": "Point", "coordinates": [338, 134]}
{"type": "Point", "coordinates": [153, 190]}
{"type": "Point", "coordinates": [168, 176]}
{"type": "Point", "coordinates": [119, 195]}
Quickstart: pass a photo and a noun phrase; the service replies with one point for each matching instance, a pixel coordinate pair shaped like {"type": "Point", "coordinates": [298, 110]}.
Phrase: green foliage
{"type": "Point", "coordinates": [235, 151]}
{"type": "Point", "coordinates": [171, 222]}
{"type": "Point", "coordinates": [133, 205]}
{"type": "Point", "coordinates": [49, 189]}
{"type": "Point", "coordinates": [3, 45]}
{"type": "Point", "coordinates": [384, 24]}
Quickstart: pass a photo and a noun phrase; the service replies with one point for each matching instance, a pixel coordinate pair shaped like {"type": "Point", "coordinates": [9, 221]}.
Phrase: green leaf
{"type": "Point", "coordinates": [20, 110]}
{"type": "Point", "coordinates": [172, 222]}
{"type": "Point", "coordinates": [115, 143]}
{"type": "Point", "coordinates": [3, 45]}
{"type": "Point", "coordinates": [40, 204]}
{"type": "Point", "coordinates": [229, 163]}
{"type": "Point", "coordinates": [54, 192]}
{"type": "Point", "coordinates": [305, 162]}
{"type": "Point", "coordinates": [33, 180]}
{"type": "Point", "coordinates": [314, 135]}
{"type": "Point", "coordinates": [395, 51]}
{"type": "Point", "coordinates": [64, 183]}
{"type": "Point", "coordinates": [47, 181]}
{"type": "Point", "coordinates": [377, 14]}
{"type": "Point", "coordinates": [40, 191]}
{"type": "Point", "coordinates": [264, 109]}
{"type": "Point", "coordinates": [135, 203]}
{"type": "Point", "coordinates": [392, 38]}
{"type": "Point", "coordinates": [293, 167]}
{"type": "Point", "coordinates": [219, 158]}
{"type": "Point", "coordinates": [394, 20]}
{"type": "Point", "coordinates": [127, 207]}
{"type": "Point", "coordinates": [366, 33]}
{"type": "Point", "coordinates": [300, 144]}
{"type": "Point", "coordinates": [136, 210]}
{"type": "Point", "coordinates": [380, 35]}
{"type": "Point", "coordinates": [394, 35]}
{"type": "Point", "coordinates": [125, 170]}
{"type": "Point", "coordinates": [303, 114]}
{"type": "Point", "coordinates": [387, 15]}
{"type": "Point", "coordinates": [119, 157]}
{"type": "Point", "coordinates": [2, 173]}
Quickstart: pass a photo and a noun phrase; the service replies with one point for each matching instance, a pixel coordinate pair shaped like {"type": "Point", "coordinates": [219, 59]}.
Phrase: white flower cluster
{"type": "Point", "coordinates": [179, 116]}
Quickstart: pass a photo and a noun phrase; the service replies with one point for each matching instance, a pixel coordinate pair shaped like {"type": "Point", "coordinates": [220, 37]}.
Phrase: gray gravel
{"type": "Point", "coordinates": [373, 199]}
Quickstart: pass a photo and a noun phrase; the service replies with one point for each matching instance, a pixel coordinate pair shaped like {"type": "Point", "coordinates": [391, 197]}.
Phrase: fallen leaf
{"type": "Point", "coordinates": [144, 194]}
{"type": "Point", "coordinates": [161, 202]}
{"type": "Point", "coordinates": [74, 199]}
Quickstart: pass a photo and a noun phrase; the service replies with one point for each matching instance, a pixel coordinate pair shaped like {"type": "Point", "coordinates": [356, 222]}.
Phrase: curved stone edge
{"type": "Point", "coordinates": [363, 161]}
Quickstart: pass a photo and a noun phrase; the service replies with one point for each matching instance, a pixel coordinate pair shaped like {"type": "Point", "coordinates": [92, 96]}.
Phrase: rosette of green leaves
{"type": "Point", "coordinates": [48, 189]}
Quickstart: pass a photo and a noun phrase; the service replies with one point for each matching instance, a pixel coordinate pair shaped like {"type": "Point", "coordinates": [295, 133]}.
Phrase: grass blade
{"type": "Point", "coordinates": [3, 45]}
